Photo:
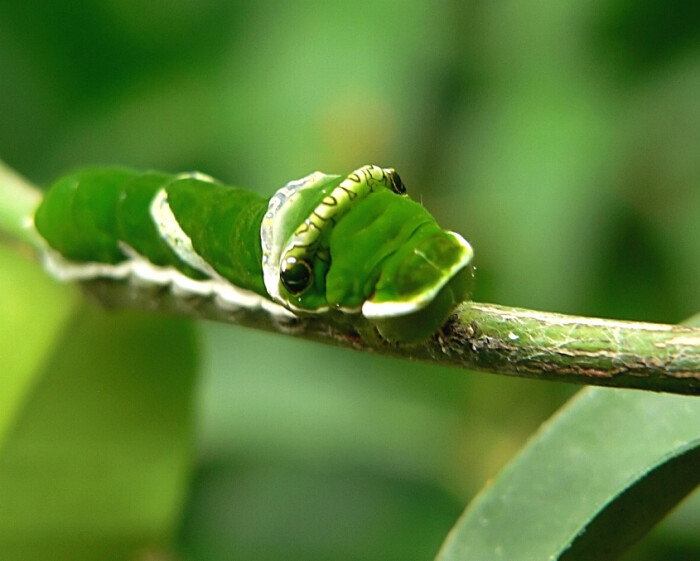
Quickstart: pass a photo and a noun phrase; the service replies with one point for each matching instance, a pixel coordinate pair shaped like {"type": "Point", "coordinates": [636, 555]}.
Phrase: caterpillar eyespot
{"type": "Point", "coordinates": [296, 276]}
{"type": "Point", "coordinates": [354, 244]}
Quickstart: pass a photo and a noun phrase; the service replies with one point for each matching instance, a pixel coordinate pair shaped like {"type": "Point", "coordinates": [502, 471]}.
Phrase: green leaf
{"type": "Point", "coordinates": [95, 456]}
{"type": "Point", "coordinates": [34, 311]}
{"type": "Point", "coordinates": [592, 481]}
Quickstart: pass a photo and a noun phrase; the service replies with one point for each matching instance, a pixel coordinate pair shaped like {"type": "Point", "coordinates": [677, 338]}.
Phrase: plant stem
{"type": "Point", "coordinates": [488, 338]}
{"type": "Point", "coordinates": [18, 200]}
{"type": "Point", "coordinates": [577, 349]}
{"type": "Point", "coordinates": [485, 337]}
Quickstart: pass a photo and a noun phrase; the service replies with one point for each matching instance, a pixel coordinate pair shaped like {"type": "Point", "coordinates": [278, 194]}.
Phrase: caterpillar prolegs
{"type": "Point", "coordinates": [354, 244]}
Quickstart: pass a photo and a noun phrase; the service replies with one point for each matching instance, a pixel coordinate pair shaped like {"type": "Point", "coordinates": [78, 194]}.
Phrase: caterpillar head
{"type": "Point", "coordinates": [359, 244]}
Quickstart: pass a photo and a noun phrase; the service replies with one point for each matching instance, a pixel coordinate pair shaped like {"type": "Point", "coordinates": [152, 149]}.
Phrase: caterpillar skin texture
{"type": "Point", "coordinates": [354, 244]}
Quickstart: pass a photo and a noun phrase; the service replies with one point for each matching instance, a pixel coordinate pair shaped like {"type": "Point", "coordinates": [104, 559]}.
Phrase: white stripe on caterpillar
{"type": "Point", "coordinates": [173, 234]}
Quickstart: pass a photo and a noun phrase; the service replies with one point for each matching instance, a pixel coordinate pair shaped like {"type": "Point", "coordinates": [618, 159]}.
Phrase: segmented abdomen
{"type": "Point", "coordinates": [105, 216]}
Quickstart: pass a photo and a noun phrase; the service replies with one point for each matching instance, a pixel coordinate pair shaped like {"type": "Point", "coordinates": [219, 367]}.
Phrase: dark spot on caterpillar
{"type": "Point", "coordinates": [397, 185]}
{"type": "Point", "coordinates": [296, 275]}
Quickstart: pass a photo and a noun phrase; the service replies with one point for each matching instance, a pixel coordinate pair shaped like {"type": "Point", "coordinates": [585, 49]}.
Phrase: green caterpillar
{"type": "Point", "coordinates": [352, 244]}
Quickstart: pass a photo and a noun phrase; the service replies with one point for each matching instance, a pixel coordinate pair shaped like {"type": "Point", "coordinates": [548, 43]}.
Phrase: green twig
{"type": "Point", "coordinates": [489, 338]}
{"type": "Point", "coordinates": [18, 199]}
{"type": "Point", "coordinates": [486, 337]}
{"type": "Point", "coordinates": [578, 349]}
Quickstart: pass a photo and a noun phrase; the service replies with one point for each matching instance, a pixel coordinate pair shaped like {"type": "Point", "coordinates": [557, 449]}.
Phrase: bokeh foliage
{"type": "Point", "coordinates": [561, 138]}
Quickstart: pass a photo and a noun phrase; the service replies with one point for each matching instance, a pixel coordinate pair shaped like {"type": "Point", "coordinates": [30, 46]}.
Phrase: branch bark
{"type": "Point", "coordinates": [483, 337]}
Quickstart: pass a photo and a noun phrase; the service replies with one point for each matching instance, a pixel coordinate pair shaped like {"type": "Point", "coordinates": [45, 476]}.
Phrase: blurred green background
{"type": "Point", "coordinates": [561, 138]}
